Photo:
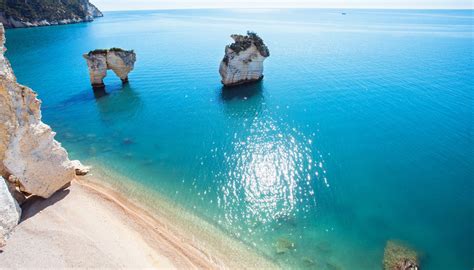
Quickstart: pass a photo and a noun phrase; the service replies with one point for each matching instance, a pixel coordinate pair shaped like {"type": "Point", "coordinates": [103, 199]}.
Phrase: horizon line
{"type": "Point", "coordinates": [295, 7]}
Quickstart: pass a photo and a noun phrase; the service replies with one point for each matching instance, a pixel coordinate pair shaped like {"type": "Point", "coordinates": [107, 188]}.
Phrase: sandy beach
{"type": "Point", "coordinates": [88, 225]}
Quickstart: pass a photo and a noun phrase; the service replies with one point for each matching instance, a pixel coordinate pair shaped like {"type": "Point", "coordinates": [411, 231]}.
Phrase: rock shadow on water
{"type": "Point", "coordinates": [118, 103]}
{"type": "Point", "coordinates": [73, 101]}
{"type": "Point", "coordinates": [243, 101]}
{"type": "Point", "coordinates": [87, 96]}
{"type": "Point", "coordinates": [242, 92]}
{"type": "Point", "coordinates": [99, 93]}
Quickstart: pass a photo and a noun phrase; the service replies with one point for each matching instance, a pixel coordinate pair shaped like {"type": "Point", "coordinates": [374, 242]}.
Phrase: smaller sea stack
{"type": "Point", "coordinates": [99, 61]}
{"type": "Point", "coordinates": [243, 60]}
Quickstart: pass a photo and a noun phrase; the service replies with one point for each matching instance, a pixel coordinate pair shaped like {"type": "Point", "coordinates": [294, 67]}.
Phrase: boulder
{"type": "Point", "coordinates": [398, 256]}
{"type": "Point", "coordinates": [243, 60]}
{"type": "Point", "coordinates": [10, 212]}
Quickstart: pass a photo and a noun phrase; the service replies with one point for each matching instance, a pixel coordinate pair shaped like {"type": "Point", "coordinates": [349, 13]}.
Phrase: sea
{"type": "Point", "coordinates": [361, 131]}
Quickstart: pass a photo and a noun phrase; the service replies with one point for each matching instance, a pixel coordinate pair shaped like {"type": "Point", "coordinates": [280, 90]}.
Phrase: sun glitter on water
{"type": "Point", "coordinates": [270, 175]}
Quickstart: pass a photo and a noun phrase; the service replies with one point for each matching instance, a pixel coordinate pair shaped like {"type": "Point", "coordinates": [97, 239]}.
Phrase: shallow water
{"type": "Point", "coordinates": [360, 132]}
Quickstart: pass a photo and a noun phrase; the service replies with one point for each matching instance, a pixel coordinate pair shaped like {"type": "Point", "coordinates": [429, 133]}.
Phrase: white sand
{"type": "Point", "coordinates": [90, 226]}
{"type": "Point", "coordinates": [78, 227]}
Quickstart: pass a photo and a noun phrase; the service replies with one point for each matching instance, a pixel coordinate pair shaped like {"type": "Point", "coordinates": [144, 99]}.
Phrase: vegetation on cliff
{"type": "Point", "coordinates": [104, 51]}
{"type": "Point", "coordinates": [242, 43]}
{"type": "Point", "coordinates": [13, 13]}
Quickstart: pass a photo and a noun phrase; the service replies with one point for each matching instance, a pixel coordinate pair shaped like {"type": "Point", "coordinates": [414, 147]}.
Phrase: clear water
{"type": "Point", "coordinates": [361, 131]}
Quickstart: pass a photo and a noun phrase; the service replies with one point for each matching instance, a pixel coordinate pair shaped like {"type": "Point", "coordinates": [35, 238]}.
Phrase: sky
{"type": "Point", "coordinates": [108, 5]}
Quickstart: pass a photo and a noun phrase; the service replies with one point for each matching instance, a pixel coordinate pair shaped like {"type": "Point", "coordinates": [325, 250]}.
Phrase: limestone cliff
{"type": "Point", "coordinates": [121, 62]}
{"type": "Point", "coordinates": [243, 60]}
{"type": "Point", "coordinates": [29, 154]}
{"type": "Point", "coordinates": [10, 212]}
{"type": "Point", "coordinates": [21, 13]}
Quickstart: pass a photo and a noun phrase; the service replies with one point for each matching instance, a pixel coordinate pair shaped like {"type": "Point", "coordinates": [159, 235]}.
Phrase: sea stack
{"type": "Point", "coordinates": [99, 61]}
{"type": "Point", "coordinates": [243, 60]}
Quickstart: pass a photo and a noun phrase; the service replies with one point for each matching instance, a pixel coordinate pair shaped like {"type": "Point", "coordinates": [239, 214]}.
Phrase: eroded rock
{"type": "Point", "coordinates": [81, 170]}
{"type": "Point", "coordinates": [120, 61]}
{"type": "Point", "coordinates": [10, 212]}
{"type": "Point", "coordinates": [243, 60]}
{"type": "Point", "coordinates": [28, 149]}
{"type": "Point", "coordinates": [397, 256]}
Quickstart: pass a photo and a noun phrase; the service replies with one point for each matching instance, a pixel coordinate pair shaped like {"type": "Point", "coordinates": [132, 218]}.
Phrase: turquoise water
{"type": "Point", "coordinates": [361, 131]}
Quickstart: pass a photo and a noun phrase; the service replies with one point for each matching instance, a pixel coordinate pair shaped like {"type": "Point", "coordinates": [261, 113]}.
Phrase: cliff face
{"type": "Point", "coordinates": [30, 157]}
{"type": "Point", "coordinates": [22, 13]}
{"type": "Point", "coordinates": [243, 60]}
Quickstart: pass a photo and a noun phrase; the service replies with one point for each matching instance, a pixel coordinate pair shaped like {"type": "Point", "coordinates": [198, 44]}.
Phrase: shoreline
{"type": "Point", "coordinates": [199, 234]}
{"type": "Point", "coordinates": [166, 240]}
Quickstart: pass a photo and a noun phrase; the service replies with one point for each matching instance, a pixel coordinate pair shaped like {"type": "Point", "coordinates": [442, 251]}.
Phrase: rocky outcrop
{"type": "Point", "coordinates": [80, 169]}
{"type": "Point", "coordinates": [120, 61]}
{"type": "Point", "coordinates": [29, 154]}
{"type": "Point", "coordinates": [399, 257]}
{"type": "Point", "coordinates": [243, 60]}
{"type": "Point", "coordinates": [10, 212]}
{"type": "Point", "coordinates": [19, 13]}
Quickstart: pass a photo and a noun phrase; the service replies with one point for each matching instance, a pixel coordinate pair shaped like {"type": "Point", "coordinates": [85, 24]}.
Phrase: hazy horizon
{"type": "Point", "coordinates": [117, 5]}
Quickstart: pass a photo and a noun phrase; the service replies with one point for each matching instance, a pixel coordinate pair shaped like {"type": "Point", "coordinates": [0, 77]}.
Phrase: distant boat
{"type": "Point", "coordinates": [343, 13]}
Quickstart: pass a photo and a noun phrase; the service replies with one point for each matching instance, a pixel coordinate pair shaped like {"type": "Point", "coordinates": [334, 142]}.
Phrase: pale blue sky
{"type": "Point", "coordinates": [165, 4]}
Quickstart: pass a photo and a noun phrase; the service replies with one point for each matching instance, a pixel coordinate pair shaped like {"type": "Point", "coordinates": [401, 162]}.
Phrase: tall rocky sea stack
{"type": "Point", "coordinates": [243, 60]}
{"type": "Point", "coordinates": [29, 13]}
{"type": "Point", "coordinates": [120, 61]}
{"type": "Point", "coordinates": [32, 162]}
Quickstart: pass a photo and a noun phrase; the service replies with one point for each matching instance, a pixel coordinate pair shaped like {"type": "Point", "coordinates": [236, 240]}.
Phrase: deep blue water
{"type": "Point", "coordinates": [361, 131]}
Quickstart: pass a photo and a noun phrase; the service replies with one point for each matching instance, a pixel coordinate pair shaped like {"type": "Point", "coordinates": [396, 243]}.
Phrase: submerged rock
{"type": "Point", "coordinates": [308, 261]}
{"type": "Point", "coordinates": [333, 266]}
{"type": "Point", "coordinates": [284, 245]}
{"type": "Point", "coordinates": [243, 60]}
{"type": "Point", "coordinates": [10, 212]}
{"type": "Point", "coordinates": [28, 149]}
{"type": "Point", "coordinates": [399, 257]}
{"type": "Point", "coordinates": [120, 61]}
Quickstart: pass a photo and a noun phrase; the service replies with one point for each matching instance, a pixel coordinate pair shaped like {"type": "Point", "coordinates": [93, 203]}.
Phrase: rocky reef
{"type": "Point", "coordinates": [398, 256]}
{"type": "Point", "coordinates": [32, 162]}
{"type": "Point", "coordinates": [243, 60]}
{"type": "Point", "coordinates": [18, 13]}
{"type": "Point", "coordinates": [120, 61]}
